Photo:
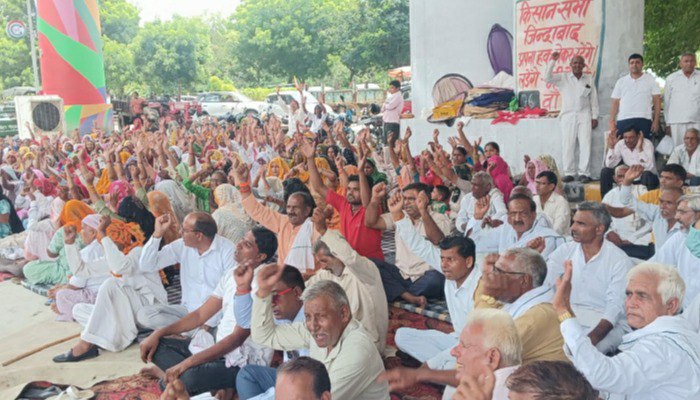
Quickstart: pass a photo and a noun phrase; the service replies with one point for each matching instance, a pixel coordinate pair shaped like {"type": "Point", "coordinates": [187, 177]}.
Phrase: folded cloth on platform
{"type": "Point", "coordinates": [495, 97]}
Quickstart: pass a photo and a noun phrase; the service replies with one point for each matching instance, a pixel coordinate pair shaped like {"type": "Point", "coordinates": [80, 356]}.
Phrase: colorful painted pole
{"type": "Point", "coordinates": [72, 64]}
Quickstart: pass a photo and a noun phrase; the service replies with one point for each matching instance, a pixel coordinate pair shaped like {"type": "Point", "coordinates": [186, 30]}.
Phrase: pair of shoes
{"type": "Point", "coordinates": [584, 179]}
{"type": "Point", "coordinates": [567, 179]}
{"type": "Point", "coordinates": [69, 357]}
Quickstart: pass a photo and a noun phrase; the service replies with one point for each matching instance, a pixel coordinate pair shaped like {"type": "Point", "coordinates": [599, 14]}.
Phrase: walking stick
{"type": "Point", "coordinates": [40, 348]}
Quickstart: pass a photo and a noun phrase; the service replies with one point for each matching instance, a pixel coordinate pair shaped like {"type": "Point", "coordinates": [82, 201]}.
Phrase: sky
{"type": "Point", "coordinates": [165, 9]}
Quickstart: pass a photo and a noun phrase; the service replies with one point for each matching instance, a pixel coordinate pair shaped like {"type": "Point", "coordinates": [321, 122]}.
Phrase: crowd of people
{"type": "Point", "coordinates": [276, 234]}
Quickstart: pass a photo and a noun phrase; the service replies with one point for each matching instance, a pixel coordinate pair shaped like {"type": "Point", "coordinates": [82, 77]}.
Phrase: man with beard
{"type": "Point", "coordinates": [364, 240]}
{"type": "Point", "coordinates": [599, 269]}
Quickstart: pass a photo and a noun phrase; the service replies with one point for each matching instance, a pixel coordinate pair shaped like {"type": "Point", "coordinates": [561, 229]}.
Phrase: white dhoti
{"type": "Point", "coordinates": [576, 126]}
{"type": "Point", "coordinates": [110, 323]}
{"type": "Point", "coordinates": [158, 316]}
{"type": "Point", "coordinates": [678, 131]}
{"type": "Point", "coordinates": [428, 346]}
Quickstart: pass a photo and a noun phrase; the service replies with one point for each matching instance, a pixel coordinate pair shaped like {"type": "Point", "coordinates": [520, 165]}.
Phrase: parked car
{"type": "Point", "coordinates": [311, 100]}
{"type": "Point", "coordinates": [220, 104]}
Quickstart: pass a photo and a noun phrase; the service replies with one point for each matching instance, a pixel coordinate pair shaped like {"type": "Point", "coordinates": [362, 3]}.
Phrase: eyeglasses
{"type": "Point", "coordinates": [276, 296]}
{"type": "Point", "coordinates": [499, 271]}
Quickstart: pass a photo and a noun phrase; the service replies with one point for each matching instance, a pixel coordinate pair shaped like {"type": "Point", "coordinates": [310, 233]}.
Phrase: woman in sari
{"type": "Point", "coordinates": [231, 220]}
{"type": "Point", "coordinates": [498, 169]}
{"type": "Point", "coordinates": [52, 272]}
{"type": "Point", "coordinates": [532, 169]}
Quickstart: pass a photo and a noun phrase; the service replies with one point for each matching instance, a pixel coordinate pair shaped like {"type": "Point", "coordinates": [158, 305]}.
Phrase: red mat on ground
{"type": "Point", "coordinates": [139, 387]}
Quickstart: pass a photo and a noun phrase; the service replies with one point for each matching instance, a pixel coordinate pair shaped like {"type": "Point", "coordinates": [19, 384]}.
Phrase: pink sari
{"type": "Point", "coordinates": [501, 176]}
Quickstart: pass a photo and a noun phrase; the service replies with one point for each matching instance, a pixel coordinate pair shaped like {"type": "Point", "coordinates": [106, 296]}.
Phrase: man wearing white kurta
{"type": "Point", "coordinates": [482, 186]}
{"type": "Point", "coordinates": [659, 360]}
{"type": "Point", "coordinates": [578, 115]}
{"type": "Point", "coordinates": [682, 99]}
{"type": "Point", "coordinates": [203, 256]}
{"type": "Point", "coordinates": [687, 156]}
{"type": "Point", "coordinates": [677, 249]}
{"type": "Point", "coordinates": [551, 204]}
{"type": "Point", "coordinates": [519, 231]}
{"type": "Point", "coordinates": [598, 278]}
{"type": "Point", "coordinates": [632, 228]}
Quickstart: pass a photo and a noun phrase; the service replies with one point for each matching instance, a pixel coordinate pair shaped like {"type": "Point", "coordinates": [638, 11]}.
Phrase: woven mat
{"type": "Point", "coordinates": [434, 309]}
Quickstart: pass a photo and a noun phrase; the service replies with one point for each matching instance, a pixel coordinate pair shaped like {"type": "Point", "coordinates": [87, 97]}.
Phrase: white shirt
{"type": "Point", "coordinates": [460, 300]}
{"type": "Point", "coordinates": [88, 266]}
{"type": "Point", "coordinates": [558, 212]}
{"type": "Point", "coordinates": [391, 109]}
{"type": "Point", "coordinates": [675, 252]}
{"type": "Point", "coordinates": [682, 98]}
{"type": "Point", "coordinates": [465, 218]}
{"type": "Point", "coordinates": [504, 237]}
{"type": "Point", "coordinates": [636, 96]}
{"type": "Point", "coordinates": [199, 274]}
{"type": "Point", "coordinates": [632, 228]}
{"type": "Point", "coordinates": [623, 153]}
{"type": "Point", "coordinates": [579, 95]}
{"type": "Point", "coordinates": [651, 213]}
{"type": "Point", "coordinates": [690, 163]}
{"type": "Point", "coordinates": [293, 117]}
{"type": "Point", "coordinates": [597, 285]}
{"type": "Point", "coordinates": [658, 362]}
{"type": "Point", "coordinates": [500, 390]}
{"type": "Point", "coordinates": [317, 122]}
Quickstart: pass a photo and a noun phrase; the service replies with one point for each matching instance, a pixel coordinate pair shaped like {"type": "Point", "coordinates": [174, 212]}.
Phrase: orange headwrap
{"type": "Point", "coordinates": [124, 156]}
{"type": "Point", "coordinates": [103, 183]}
{"type": "Point", "coordinates": [283, 167]}
{"type": "Point", "coordinates": [73, 213]}
{"type": "Point", "coordinates": [126, 235]}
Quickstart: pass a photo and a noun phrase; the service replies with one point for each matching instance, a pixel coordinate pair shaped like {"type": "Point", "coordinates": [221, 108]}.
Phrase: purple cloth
{"type": "Point", "coordinates": [67, 298]}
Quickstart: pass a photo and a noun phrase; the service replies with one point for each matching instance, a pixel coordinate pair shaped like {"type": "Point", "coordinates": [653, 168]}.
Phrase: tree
{"type": "Point", "coordinates": [119, 67]}
{"type": "Point", "coordinates": [172, 55]}
{"type": "Point", "coordinates": [286, 38]}
{"type": "Point", "coordinates": [119, 20]}
{"type": "Point", "coordinates": [671, 28]}
{"type": "Point", "coordinates": [15, 60]}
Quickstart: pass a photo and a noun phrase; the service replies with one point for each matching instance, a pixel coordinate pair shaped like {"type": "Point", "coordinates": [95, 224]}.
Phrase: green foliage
{"type": "Point", "coordinates": [15, 61]}
{"type": "Point", "coordinates": [257, 93]}
{"type": "Point", "coordinates": [171, 56]}
{"type": "Point", "coordinates": [671, 28]}
{"type": "Point", "coordinates": [119, 66]}
{"type": "Point", "coordinates": [217, 84]}
{"type": "Point", "coordinates": [119, 20]}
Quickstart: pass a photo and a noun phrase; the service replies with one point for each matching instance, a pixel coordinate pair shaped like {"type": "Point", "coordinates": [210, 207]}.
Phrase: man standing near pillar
{"type": "Point", "coordinates": [578, 115]}
{"type": "Point", "coordinates": [682, 99]}
{"type": "Point", "coordinates": [391, 110]}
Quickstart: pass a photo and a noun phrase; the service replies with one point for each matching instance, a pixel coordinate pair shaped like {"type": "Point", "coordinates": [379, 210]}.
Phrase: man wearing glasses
{"type": "Point", "coordinates": [599, 271]}
{"type": "Point", "coordinates": [513, 282]}
{"type": "Point", "coordinates": [203, 256]}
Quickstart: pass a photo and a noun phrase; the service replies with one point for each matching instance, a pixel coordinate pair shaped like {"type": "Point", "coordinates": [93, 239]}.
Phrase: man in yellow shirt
{"type": "Point", "coordinates": [671, 176]}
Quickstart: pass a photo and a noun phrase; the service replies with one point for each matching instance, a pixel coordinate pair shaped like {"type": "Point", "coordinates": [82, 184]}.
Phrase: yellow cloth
{"type": "Point", "coordinates": [283, 167]}
{"type": "Point", "coordinates": [124, 156]}
{"type": "Point", "coordinates": [651, 197]}
{"type": "Point", "coordinates": [103, 183]}
{"type": "Point", "coordinates": [73, 213]}
{"type": "Point", "coordinates": [538, 328]}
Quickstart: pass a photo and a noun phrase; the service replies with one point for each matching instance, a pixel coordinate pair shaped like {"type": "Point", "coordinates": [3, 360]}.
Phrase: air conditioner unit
{"type": "Point", "coordinates": [45, 114]}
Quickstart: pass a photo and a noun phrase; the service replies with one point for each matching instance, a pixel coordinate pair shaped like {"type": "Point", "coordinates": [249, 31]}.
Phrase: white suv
{"type": "Point", "coordinates": [219, 104]}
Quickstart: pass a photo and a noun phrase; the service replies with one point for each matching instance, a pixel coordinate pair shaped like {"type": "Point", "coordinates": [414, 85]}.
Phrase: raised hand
{"type": "Point", "coordinates": [319, 220]}
{"type": "Point", "coordinates": [436, 133]}
{"type": "Point", "coordinates": [241, 171]}
{"type": "Point", "coordinates": [268, 276]}
{"type": "Point", "coordinates": [396, 205]}
{"type": "Point", "coordinates": [632, 174]}
{"type": "Point", "coordinates": [561, 301]}
{"type": "Point", "coordinates": [482, 207]}
{"type": "Point", "coordinates": [243, 275]}
{"type": "Point", "coordinates": [307, 149]}
{"type": "Point", "coordinates": [379, 191]}
{"type": "Point", "coordinates": [105, 221]}
{"type": "Point", "coordinates": [163, 223]}
{"type": "Point", "coordinates": [612, 139]}
{"type": "Point", "coordinates": [422, 202]}
{"type": "Point", "coordinates": [538, 244]}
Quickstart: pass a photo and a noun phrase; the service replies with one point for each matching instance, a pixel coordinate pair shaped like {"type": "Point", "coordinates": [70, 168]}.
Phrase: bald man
{"type": "Point", "coordinates": [578, 115]}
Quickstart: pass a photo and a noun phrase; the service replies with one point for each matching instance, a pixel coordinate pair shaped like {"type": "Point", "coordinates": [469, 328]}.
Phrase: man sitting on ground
{"type": "Point", "coordinates": [521, 229]}
{"type": "Point", "coordinates": [549, 380]}
{"type": "Point", "coordinates": [204, 258]}
{"type": "Point", "coordinates": [599, 275]}
{"type": "Point", "coordinates": [256, 381]}
{"type": "Point", "coordinates": [482, 186]}
{"type": "Point", "coordinates": [489, 342]}
{"type": "Point", "coordinates": [633, 149]}
{"type": "Point", "coordinates": [659, 359]}
{"type": "Point", "coordinates": [358, 276]}
{"type": "Point", "coordinates": [687, 156]}
{"type": "Point", "coordinates": [662, 217]}
{"type": "Point", "coordinates": [213, 368]}
{"type": "Point", "coordinates": [330, 332]}
{"type": "Point", "coordinates": [303, 378]}
{"type": "Point", "coordinates": [671, 176]}
{"type": "Point", "coordinates": [411, 279]}
{"type": "Point", "coordinates": [551, 203]}
{"type": "Point", "coordinates": [513, 282]}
